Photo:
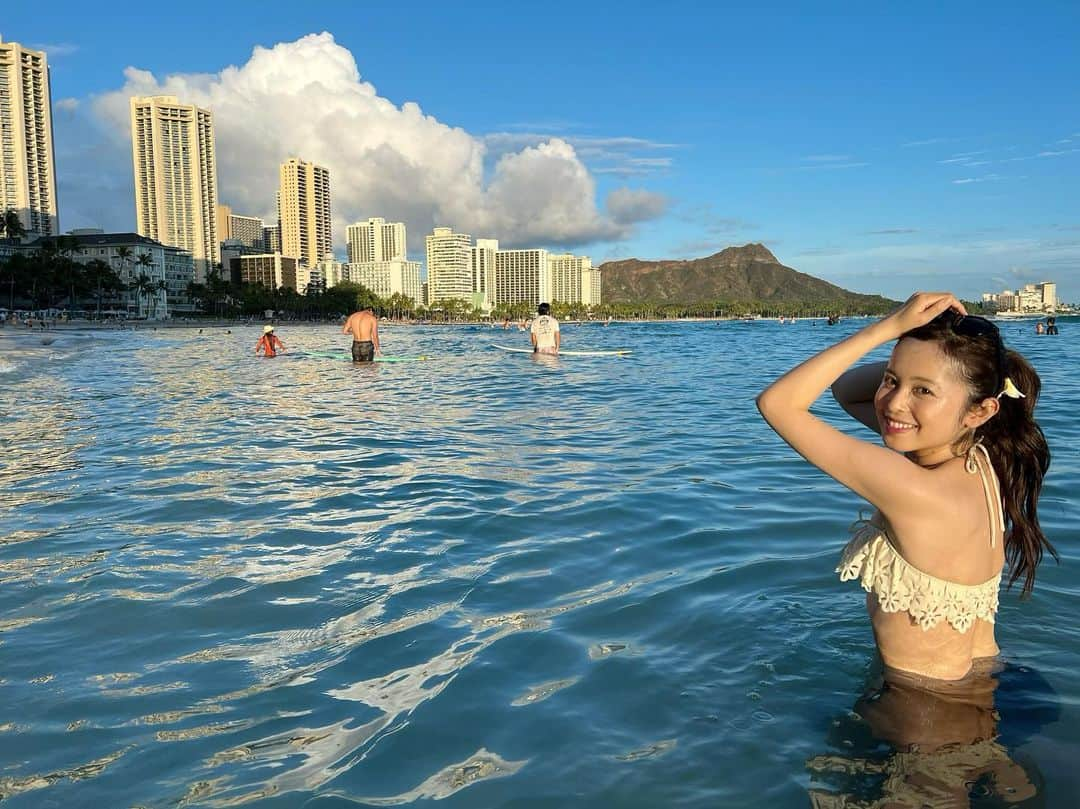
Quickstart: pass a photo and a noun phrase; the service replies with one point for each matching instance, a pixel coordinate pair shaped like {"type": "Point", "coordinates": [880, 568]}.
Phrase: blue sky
{"type": "Point", "coordinates": [882, 149]}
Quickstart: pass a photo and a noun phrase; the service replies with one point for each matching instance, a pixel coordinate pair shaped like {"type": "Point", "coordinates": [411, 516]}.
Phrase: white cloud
{"type": "Point", "coordinates": [56, 49]}
{"type": "Point", "coordinates": [831, 164]}
{"type": "Point", "coordinates": [928, 142]}
{"type": "Point", "coordinates": [986, 178]}
{"type": "Point", "coordinates": [307, 99]}
{"type": "Point", "coordinates": [630, 205]}
{"type": "Point", "coordinates": [67, 104]}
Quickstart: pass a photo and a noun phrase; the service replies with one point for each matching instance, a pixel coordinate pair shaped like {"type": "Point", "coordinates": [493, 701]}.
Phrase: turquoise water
{"type": "Point", "coordinates": [490, 579]}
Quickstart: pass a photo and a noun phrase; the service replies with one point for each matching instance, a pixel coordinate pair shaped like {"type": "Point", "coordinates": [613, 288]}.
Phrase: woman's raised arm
{"type": "Point", "coordinates": [885, 478]}
{"type": "Point", "coordinates": [854, 392]}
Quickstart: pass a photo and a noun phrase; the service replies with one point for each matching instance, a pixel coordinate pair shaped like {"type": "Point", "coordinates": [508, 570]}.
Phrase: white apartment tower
{"type": "Point", "coordinates": [522, 275]}
{"type": "Point", "coordinates": [590, 287]}
{"type": "Point", "coordinates": [1048, 290]}
{"type": "Point", "coordinates": [376, 240]}
{"type": "Point", "coordinates": [27, 167]}
{"type": "Point", "coordinates": [573, 279]}
{"type": "Point", "coordinates": [172, 146]}
{"type": "Point", "coordinates": [448, 265]}
{"type": "Point", "coordinates": [482, 267]}
{"type": "Point", "coordinates": [304, 211]}
{"type": "Point", "coordinates": [386, 278]}
{"type": "Point", "coordinates": [333, 272]}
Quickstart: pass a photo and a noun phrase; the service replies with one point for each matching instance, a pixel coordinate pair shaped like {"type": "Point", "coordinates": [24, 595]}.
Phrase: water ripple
{"type": "Point", "coordinates": [283, 582]}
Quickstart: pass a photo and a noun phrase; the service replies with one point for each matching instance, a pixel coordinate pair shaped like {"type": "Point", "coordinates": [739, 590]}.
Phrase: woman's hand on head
{"type": "Point", "coordinates": [921, 308]}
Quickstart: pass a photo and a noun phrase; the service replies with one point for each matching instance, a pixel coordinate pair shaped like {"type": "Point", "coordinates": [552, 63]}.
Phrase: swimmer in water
{"type": "Point", "coordinates": [955, 487]}
{"type": "Point", "coordinates": [269, 343]}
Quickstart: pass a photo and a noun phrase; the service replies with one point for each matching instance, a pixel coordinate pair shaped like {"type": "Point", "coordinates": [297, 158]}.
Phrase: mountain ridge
{"type": "Point", "coordinates": [738, 273]}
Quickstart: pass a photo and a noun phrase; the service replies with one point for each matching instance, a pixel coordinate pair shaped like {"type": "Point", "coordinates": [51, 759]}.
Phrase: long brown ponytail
{"type": "Point", "coordinates": [1020, 455]}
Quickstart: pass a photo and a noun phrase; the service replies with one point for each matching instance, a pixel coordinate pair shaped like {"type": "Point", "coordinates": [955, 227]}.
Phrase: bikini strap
{"type": "Point", "coordinates": [990, 487]}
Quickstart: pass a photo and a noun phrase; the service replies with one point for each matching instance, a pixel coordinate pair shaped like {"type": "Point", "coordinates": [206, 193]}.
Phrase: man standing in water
{"type": "Point", "coordinates": [544, 331]}
{"type": "Point", "coordinates": [364, 328]}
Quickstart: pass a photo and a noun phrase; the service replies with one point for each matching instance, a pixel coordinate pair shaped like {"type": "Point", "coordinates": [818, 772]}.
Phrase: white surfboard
{"type": "Point", "coordinates": [618, 353]}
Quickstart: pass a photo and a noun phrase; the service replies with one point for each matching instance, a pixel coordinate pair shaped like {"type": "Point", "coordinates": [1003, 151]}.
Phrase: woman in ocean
{"type": "Point", "coordinates": [955, 487]}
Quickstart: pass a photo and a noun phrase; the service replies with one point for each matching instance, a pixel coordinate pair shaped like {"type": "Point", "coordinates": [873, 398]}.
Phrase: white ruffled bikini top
{"type": "Point", "coordinates": [899, 587]}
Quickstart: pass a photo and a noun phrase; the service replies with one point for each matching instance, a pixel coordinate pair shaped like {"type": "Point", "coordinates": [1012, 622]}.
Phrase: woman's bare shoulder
{"type": "Point", "coordinates": [956, 518]}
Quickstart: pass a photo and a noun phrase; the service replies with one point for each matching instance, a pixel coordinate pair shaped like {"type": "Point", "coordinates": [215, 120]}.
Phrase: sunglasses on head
{"type": "Point", "coordinates": [973, 326]}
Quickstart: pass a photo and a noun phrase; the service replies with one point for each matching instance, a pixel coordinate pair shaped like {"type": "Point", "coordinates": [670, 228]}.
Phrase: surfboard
{"type": "Point", "coordinates": [344, 355]}
{"type": "Point", "coordinates": [618, 353]}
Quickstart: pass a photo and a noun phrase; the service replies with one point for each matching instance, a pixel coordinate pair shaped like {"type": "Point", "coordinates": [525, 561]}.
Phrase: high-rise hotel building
{"type": "Point", "coordinates": [386, 278]}
{"type": "Point", "coordinates": [574, 279]}
{"type": "Point", "coordinates": [248, 230]}
{"type": "Point", "coordinates": [449, 265]}
{"type": "Point", "coordinates": [27, 167]}
{"type": "Point", "coordinates": [172, 146]}
{"type": "Point", "coordinates": [376, 240]}
{"type": "Point", "coordinates": [522, 275]}
{"type": "Point", "coordinates": [304, 211]}
{"type": "Point", "coordinates": [482, 261]}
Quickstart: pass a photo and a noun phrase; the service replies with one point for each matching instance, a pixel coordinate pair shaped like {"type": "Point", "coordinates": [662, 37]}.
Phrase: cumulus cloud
{"type": "Point", "coordinates": [67, 105]}
{"type": "Point", "coordinates": [307, 99]}
{"type": "Point", "coordinates": [629, 205]}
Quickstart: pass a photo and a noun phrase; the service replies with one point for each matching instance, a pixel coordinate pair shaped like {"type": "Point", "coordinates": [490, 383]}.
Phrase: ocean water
{"type": "Point", "coordinates": [486, 579]}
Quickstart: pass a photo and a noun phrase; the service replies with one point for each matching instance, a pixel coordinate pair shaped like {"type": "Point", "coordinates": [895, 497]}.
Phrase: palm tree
{"type": "Point", "coordinates": [143, 286]}
{"type": "Point", "coordinates": [98, 272]}
{"type": "Point", "coordinates": [146, 264]}
{"type": "Point", "coordinates": [18, 269]}
{"type": "Point", "coordinates": [11, 224]}
{"type": "Point", "coordinates": [124, 256]}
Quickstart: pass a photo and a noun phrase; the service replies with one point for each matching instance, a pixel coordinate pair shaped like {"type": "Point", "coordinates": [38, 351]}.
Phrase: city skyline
{"type": "Point", "coordinates": [881, 153]}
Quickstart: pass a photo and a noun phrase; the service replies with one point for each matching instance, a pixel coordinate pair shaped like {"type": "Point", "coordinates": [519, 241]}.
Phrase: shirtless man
{"type": "Point", "coordinates": [364, 328]}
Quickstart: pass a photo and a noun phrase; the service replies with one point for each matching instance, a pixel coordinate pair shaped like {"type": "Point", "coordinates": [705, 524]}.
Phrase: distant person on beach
{"type": "Point", "coordinates": [1039, 329]}
{"type": "Point", "coordinates": [364, 328]}
{"type": "Point", "coordinates": [269, 343]}
{"type": "Point", "coordinates": [544, 331]}
{"type": "Point", "coordinates": [1051, 325]}
{"type": "Point", "coordinates": [955, 486]}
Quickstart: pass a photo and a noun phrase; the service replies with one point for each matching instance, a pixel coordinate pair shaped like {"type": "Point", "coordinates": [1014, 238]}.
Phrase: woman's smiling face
{"type": "Point", "coordinates": [921, 402]}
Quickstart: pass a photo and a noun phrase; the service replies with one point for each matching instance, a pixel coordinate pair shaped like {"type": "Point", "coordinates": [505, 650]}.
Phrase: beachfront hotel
{"type": "Point", "coordinates": [332, 271]}
{"type": "Point", "coordinates": [27, 166]}
{"type": "Point", "coordinates": [247, 230]}
{"type": "Point", "coordinates": [522, 275]}
{"type": "Point", "coordinates": [272, 270]}
{"type": "Point", "coordinates": [172, 147]}
{"type": "Point", "coordinates": [376, 240]}
{"type": "Point", "coordinates": [309, 278]}
{"type": "Point", "coordinates": [449, 271]}
{"type": "Point", "coordinates": [574, 279]}
{"type": "Point", "coordinates": [304, 211]}
{"type": "Point", "coordinates": [482, 266]}
{"type": "Point", "coordinates": [386, 278]}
